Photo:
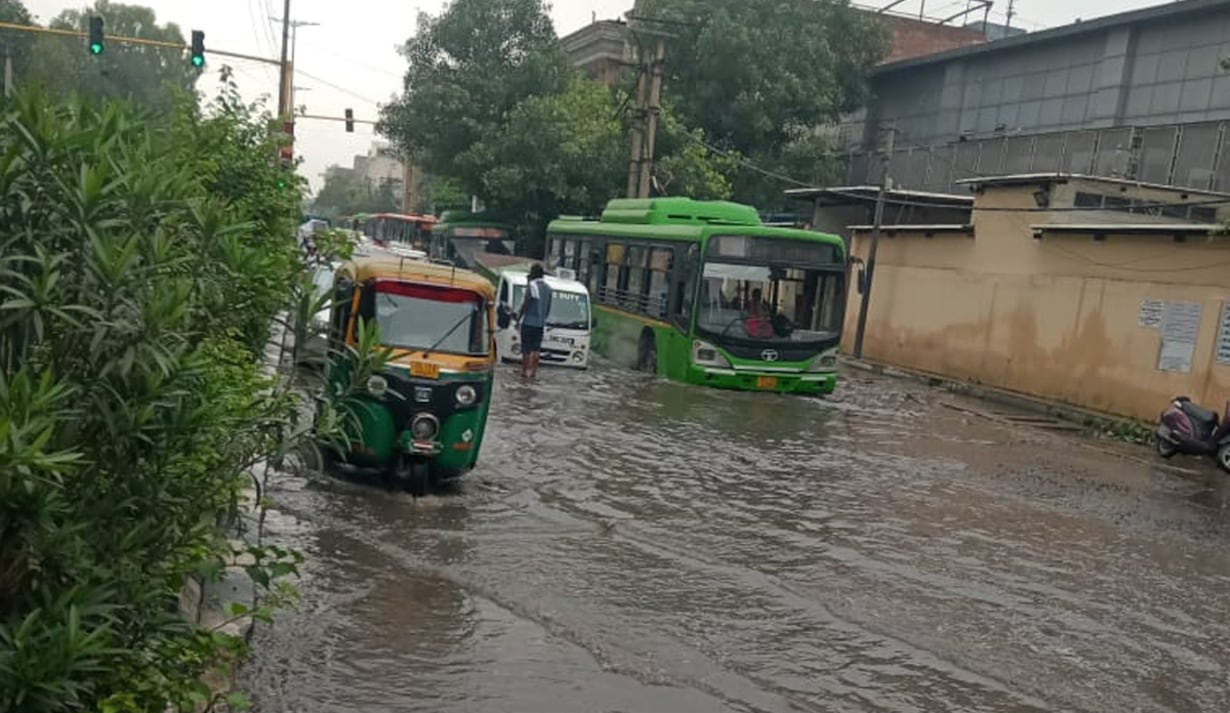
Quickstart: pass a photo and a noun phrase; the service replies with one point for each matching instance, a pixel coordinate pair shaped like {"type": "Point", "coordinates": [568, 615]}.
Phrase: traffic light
{"type": "Point", "coordinates": [198, 48]}
{"type": "Point", "coordinates": [286, 152]}
{"type": "Point", "coordinates": [96, 35]}
{"type": "Point", "coordinates": [350, 121]}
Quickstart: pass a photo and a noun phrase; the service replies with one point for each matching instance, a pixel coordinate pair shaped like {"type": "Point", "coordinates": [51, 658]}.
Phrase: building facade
{"type": "Point", "coordinates": [602, 49]}
{"type": "Point", "coordinates": [1140, 95]}
{"type": "Point", "coordinates": [1100, 293]}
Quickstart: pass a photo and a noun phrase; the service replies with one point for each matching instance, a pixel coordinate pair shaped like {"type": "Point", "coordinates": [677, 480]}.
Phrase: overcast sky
{"type": "Point", "coordinates": [351, 60]}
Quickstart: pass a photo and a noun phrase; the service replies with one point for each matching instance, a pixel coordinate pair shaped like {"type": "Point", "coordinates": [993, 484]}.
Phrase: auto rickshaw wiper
{"type": "Point", "coordinates": [473, 310]}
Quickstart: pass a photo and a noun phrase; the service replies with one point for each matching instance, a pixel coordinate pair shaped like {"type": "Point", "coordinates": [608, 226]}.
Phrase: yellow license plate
{"type": "Point", "coordinates": [425, 370]}
{"type": "Point", "coordinates": [766, 382]}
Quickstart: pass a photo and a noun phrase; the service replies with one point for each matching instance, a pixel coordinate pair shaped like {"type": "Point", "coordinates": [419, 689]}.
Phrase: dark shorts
{"type": "Point", "coordinates": [531, 339]}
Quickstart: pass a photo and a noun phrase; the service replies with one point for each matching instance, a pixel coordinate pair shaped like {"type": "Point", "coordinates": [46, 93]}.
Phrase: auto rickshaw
{"type": "Point", "coordinates": [421, 417]}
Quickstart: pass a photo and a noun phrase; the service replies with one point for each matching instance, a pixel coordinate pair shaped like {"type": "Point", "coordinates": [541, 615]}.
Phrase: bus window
{"type": "Point", "coordinates": [614, 270]}
{"type": "Point", "coordinates": [582, 261]}
{"type": "Point", "coordinates": [570, 255]}
{"type": "Point", "coordinates": [826, 317]}
{"type": "Point", "coordinates": [660, 260]}
{"type": "Point", "coordinates": [633, 279]}
{"type": "Point", "coordinates": [685, 286]}
{"type": "Point", "coordinates": [597, 270]}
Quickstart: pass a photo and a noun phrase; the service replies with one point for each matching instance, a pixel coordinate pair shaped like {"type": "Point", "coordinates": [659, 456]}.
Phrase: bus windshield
{"type": "Point", "coordinates": [425, 317]}
{"type": "Point", "coordinates": [464, 249]}
{"type": "Point", "coordinates": [569, 310]}
{"type": "Point", "coordinates": [770, 304]}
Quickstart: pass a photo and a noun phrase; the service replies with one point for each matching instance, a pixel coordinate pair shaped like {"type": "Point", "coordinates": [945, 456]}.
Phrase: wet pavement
{"type": "Point", "coordinates": [633, 545]}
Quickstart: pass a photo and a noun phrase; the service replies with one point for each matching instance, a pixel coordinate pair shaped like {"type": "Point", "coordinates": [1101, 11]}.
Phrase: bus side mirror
{"type": "Point", "coordinates": [503, 316]}
{"type": "Point", "coordinates": [862, 280]}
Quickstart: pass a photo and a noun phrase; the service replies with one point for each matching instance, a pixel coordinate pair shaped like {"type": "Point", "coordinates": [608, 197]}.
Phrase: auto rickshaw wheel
{"type": "Point", "coordinates": [414, 476]}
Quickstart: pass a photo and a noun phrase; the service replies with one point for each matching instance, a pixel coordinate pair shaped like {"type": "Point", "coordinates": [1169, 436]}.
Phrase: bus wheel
{"type": "Point", "coordinates": [647, 353]}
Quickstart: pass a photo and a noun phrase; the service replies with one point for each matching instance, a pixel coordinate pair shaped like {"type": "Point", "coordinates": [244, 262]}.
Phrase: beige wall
{"type": "Point", "coordinates": [1055, 318]}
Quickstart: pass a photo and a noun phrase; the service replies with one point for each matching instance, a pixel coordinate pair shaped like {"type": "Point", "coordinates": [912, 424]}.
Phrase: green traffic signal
{"type": "Point", "coordinates": [96, 35]}
{"type": "Point", "coordinates": [198, 48]}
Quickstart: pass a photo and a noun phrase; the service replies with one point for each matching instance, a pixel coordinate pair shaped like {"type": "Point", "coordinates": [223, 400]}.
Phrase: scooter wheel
{"type": "Point", "coordinates": [1165, 448]}
{"type": "Point", "coordinates": [1223, 457]}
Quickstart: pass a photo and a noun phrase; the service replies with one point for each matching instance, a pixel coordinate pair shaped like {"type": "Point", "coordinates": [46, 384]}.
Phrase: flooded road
{"type": "Point", "coordinates": [638, 546]}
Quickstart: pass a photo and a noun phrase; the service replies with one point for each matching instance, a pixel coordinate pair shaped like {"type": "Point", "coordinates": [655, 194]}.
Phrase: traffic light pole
{"type": "Point", "coordinates": [132, 41]}
{"type": "Point", "coordinates": [284, 108]}
{"type": "Point", "coordinates": [321, 117]}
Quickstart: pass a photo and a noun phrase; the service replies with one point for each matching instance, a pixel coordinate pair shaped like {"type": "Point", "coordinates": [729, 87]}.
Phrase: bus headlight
{"type": "Point", "coordinates": [466, 395]}
{"type": "Point", "coordinates": [424, 427]}
{"type": "Point", "coordinates": [377, 386]}
{"type": "Point", "coordinates": [705, 354]}
{"type": "Point", "coordinates": [827, 362]}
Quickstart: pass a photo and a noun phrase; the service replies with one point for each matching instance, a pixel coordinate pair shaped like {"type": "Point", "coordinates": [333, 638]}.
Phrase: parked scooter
{"type": "Point", "coordinates": [1187, 428]}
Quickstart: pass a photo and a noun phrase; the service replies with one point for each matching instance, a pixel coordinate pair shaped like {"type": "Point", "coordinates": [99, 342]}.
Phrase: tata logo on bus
{"type": "Point", "coordinates": [769, 355]}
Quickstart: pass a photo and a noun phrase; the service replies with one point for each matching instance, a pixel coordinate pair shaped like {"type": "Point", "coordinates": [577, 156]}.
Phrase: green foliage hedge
{"type": "Point", "coordinates": [142, 261]}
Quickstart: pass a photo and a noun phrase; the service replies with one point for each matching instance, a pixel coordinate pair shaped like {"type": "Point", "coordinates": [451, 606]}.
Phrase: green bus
{"type": "Point", "coordinates": [460, 236]}
{"type": "Point", "coordinates": [704, 293]}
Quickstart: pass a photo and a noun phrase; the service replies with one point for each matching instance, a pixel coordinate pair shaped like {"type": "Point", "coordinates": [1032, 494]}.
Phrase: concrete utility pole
{"type": "Point", "coordinates": [644, 135]}
{"type": "Point", "coordinates": [651, 119]}
{"type": "Point", "coordinates": [290, 38]}
{"type": "Point", "coordinates": [284, 108]}
{"type": "Point", "coordinates": [870, 269]}
{"type": "Point", "coordinates": [8, 71]}
{"type": "Point", "coordinates": [638, 131]}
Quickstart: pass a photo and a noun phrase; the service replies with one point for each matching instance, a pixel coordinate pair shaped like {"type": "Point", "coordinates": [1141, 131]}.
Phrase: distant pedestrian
{"type": "Point", "coordinates": [533, 319]}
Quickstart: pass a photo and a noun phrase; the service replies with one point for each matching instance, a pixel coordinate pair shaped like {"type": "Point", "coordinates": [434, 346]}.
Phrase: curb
{"type": "Point", "coordinates": [1084, 420]}
{"type": "Point", "coordinates": [1083, 417]}
{"type": "Point", "coordinates": [206, 605]}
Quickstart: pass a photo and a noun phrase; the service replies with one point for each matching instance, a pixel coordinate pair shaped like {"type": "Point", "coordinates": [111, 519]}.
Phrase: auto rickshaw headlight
{"type": "Point", "coordinates": [377, 385]}
{"type": "Point", "coordinates": [424, 427]}
{"type": "Point", "coordinates": [466, 395]}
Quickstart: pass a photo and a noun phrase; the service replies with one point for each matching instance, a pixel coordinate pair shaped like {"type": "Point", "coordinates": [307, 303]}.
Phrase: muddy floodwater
{"type": "Point", "coordinates": [636, 546]}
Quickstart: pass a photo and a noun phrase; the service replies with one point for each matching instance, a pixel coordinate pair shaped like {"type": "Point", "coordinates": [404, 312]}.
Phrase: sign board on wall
{"type": "Point", "coordinates": [1180, 330]}
{"type": "Point", "coordinates": [1150, 314]}
{"type": "Point", "coordinates": [1221, 350]}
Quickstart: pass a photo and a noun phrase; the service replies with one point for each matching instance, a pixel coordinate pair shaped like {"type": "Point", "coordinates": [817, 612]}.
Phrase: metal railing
{"type": "Point", "coordinates": [636, 302]}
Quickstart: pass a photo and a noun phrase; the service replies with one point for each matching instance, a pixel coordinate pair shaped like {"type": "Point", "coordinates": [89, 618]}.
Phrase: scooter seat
{"type": "Point", "coordinates": [1200, 415]}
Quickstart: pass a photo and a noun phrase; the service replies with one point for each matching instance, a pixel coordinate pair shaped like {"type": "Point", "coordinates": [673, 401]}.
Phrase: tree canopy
{"type": "Point", "coordinates": [468, 68]}
{"type": "Point", "coordinates": [760, 79]}
{"type": "Point", "coordinates": [492, 108]}
{"type": "Point", "coordinates": [148, 76]}
{"type": "Point", "coordinates": [346, 193]}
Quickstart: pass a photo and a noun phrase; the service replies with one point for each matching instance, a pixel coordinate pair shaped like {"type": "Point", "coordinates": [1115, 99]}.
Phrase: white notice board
{"type": "Point", "coordinates": [1221, 349]}
{"type": "Point", "coordinates": [1180, 329]}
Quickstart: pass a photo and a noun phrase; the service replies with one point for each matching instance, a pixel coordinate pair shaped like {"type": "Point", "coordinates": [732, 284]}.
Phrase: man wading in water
{"type": "Point", "coordinates": [533, 319]}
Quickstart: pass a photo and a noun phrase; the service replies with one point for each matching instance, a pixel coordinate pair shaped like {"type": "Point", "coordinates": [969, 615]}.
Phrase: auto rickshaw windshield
{"type": "Point", "coordinates": [444, 319]}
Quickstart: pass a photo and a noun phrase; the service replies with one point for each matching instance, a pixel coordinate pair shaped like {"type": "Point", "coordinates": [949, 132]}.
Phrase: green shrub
{"type": "Point", "coordinates": [142, 261]}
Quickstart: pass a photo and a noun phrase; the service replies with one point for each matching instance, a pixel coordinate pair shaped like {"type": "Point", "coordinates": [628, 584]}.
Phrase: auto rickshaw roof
{"type": "Point", "coordinates": [391, 267]}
